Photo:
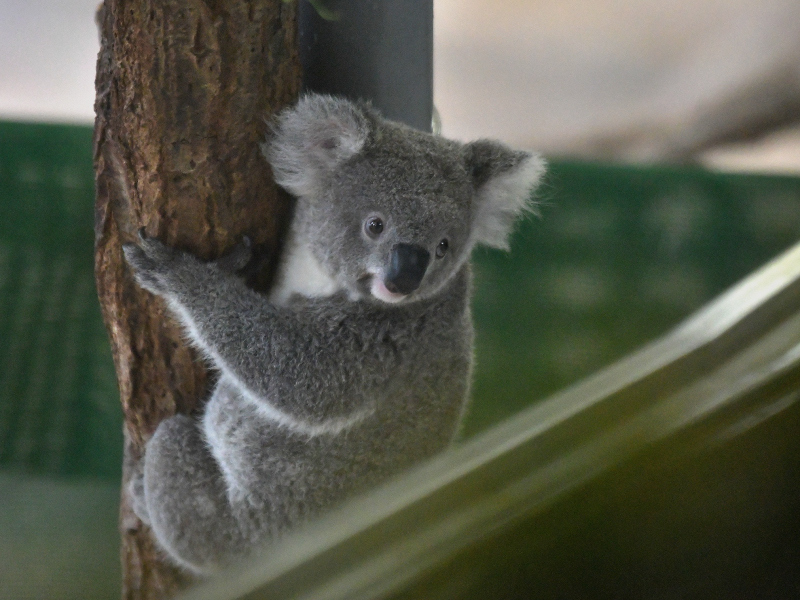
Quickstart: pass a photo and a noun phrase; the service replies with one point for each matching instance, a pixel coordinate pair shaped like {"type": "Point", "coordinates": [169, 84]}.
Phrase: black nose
{"type": "Point", "coordinates": [407, 268]}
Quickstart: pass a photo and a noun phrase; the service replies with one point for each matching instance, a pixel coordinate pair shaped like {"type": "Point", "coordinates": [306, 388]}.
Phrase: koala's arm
{"type": "Point", "coordinates": [288, 361]}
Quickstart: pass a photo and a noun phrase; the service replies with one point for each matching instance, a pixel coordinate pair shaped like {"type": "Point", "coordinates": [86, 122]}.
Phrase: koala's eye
{"type": "Point", "coordinates": [441, 249]}
{"type": "Point", "coordinates": [373, 226]}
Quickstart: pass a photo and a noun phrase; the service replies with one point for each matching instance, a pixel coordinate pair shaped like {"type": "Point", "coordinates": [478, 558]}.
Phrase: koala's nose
{"type": "Point", "coordinates": [407, 268]}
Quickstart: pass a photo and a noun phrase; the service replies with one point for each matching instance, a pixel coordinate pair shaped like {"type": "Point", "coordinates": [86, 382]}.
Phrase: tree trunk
{"type": "Point", "coordinates": [183, 91]}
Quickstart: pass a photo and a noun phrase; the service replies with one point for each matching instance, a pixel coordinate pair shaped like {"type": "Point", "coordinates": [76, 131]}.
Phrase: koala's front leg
{"type": "Point", "coordinates": [255, 343]}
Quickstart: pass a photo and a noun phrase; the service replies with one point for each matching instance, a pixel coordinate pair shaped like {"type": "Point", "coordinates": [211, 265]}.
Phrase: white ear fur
{"type": "Point", "coordinates": [313, 138]}
{"type": "Point", "coordinates": [504, 180]}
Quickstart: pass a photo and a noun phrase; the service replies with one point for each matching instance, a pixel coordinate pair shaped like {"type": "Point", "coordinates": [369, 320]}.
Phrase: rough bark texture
{"type": "Point", "coordinates": [183, 91]}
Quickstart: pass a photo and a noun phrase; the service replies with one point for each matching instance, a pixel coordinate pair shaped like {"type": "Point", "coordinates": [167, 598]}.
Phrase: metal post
{"type": "Point", "coordinates": [376, 50]}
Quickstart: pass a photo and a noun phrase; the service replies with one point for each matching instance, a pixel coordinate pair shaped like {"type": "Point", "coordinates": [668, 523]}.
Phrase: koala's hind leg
{"type": "Point", "coordinates": [186, 499]}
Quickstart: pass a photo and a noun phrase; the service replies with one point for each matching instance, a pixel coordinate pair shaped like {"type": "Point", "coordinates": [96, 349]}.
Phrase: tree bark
{"type": "Point", "coordinates": [184, 88]}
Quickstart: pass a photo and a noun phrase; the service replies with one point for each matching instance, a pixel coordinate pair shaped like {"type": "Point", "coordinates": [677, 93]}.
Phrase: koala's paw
{"type": "Point", "coordinates": [237, 258]}
{"type": "Point", "coordinates": [152, 262]}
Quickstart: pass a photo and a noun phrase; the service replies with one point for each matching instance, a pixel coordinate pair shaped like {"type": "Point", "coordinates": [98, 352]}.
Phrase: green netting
{"type": "Point", "coordinates": [59, 406]}
{"type": "Point", "coordinates": [620, 255]}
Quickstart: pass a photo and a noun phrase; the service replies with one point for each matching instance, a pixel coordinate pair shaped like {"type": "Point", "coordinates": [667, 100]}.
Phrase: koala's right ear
{"type": "Point", "coordinates": [312, 139]}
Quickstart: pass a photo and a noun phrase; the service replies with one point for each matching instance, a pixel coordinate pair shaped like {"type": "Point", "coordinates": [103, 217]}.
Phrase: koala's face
{"type": "Point", "coordinates": [391, 213]}
{"type": "Point", "coordinates": [394, 222]}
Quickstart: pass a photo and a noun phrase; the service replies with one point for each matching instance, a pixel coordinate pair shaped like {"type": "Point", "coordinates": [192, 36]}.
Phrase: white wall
{"type": "Point", "coordinates": [48, 51]}
{"type": "Point", "coordinates": [539, 73]}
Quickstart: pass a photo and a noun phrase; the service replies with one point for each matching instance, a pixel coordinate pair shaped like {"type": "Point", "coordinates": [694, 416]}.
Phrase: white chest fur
{"type": "Point", "coordinates": [299, 272]}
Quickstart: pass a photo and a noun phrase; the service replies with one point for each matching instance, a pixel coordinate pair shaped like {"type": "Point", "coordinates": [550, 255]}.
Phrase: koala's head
{"type": "Point", "coordinates": [389, 212]}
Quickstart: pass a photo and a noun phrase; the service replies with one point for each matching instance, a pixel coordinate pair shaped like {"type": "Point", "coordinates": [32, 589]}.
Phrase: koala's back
{"type": "Point", "coordinates": [416, 371]}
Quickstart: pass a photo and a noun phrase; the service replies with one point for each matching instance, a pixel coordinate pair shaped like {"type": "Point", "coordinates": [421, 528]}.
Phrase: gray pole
{"type": "Point", "coordinates": [377, 50]}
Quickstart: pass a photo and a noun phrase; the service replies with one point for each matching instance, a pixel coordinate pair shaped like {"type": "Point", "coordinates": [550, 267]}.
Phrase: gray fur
{"type": "Point", "coordinates": [332, 384]}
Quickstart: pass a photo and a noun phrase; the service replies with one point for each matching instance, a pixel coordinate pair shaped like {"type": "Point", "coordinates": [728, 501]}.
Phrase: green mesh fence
{"type": "Point", "coordinates": [618, 256]}
{"type": "Point", "coordinates": [59, 406]}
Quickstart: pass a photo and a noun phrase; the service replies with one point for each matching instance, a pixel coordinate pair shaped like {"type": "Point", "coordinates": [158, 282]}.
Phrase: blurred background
{"type": "Point", "coordinates": [711, 80]}
{"type": "Point", "coordinates": [619, 258]}
{"type": "Point", "coordinates": [625, 79]}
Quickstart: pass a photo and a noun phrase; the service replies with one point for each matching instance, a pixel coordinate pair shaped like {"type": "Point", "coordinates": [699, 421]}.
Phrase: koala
{"type": "Point", "coordinates": [357, 364]}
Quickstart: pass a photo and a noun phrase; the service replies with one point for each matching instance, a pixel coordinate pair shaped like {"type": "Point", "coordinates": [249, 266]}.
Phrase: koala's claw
{"type": "Point", "coordinates": [237, 258]}
{"type": "Point", "coordinates": [137, 258]}
{"type": "Point", "coordinates": [149, 261]}
{"type": "Point", "coordinates": [144, 268]}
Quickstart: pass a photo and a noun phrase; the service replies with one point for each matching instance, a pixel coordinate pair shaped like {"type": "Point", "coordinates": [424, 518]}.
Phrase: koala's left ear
{"type": "Point", "coordinates": [504, 180]}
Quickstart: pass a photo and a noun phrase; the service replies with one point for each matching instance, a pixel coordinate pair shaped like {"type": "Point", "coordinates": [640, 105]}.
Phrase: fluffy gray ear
{"type": "Point", "coordinates": [313, 138]}
{"type": "Point", "coordinates": [504, 180]}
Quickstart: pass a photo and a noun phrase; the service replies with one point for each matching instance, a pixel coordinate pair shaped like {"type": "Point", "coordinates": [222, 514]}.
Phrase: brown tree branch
{"type": "Point", "coordinates": [183, 91]}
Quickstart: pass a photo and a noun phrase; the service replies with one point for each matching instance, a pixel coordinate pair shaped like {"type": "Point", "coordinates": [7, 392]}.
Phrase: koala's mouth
{"type": "Point", "coordinates": [379, 290]}
{"type": "Point", "coordinates": [373, 285]}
